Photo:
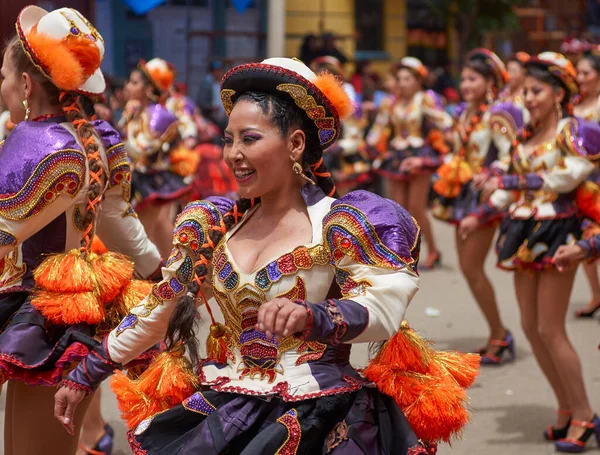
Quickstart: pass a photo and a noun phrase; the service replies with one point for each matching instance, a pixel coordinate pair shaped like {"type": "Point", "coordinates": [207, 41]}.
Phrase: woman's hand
{"type": "Point", "coordinates": [411, 164]}
{"type": "Point", "coordinates": [467, 226]}
{"type": "Point", "coordinates": [66, 401]}
{"type": "Point", "coordinates": [489, 187]}
{"type": "Point", "coordinates": [281, 317]}
{"type": "Point", "coordinates": [567, 256]}
{"type": "Point", "coordinates": [480, 180]}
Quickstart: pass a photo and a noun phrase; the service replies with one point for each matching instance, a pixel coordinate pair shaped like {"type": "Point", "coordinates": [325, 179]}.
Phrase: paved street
{"type": "Point", "coordinates": [512, 404]}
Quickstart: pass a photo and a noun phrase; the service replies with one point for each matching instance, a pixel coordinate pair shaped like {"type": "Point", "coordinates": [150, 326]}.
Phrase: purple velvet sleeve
{"type": "Point", "coordinates": [334, 321]}
{"type": "Point", "coordinates": [224, 204]}
{"type": "Point", "coordinates": [394, 227]}
{"type": "Point", "coordinates": [529, 181]}
{"type": "Point", "coordinates": [160, 118]}
{"type": "Point", "coordinates": [109, 136]}
{"type": "Point", "coordinates": [591, 246]}
{"type": "Point", "coordinates": [91, 371]}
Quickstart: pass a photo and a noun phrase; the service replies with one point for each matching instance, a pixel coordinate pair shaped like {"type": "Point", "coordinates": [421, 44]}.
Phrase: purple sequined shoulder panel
{"type": "Point", "coordinates": [509, 110]}
{"type": "Point", "coordinates": [387, 233]}
{"type": "Point", "coordinates": [108, 135]}
{"type": "Point", "coordinates": [160, 118]}
{"type": "Point", "coordinates": [585, 135]}
{"type": "Point", "coordinates": [26, 147]}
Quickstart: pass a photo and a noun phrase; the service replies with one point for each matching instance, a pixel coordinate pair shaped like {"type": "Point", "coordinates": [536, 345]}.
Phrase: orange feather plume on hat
{"type": "Point", "coordinates": [332, 88]}
{"type": "Point", "coordinates": [69, 62]}
{"type": "Point", "coordinates": [164, 79]}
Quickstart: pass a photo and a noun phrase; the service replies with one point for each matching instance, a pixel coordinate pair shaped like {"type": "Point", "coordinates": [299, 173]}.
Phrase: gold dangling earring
{"type": "Point", "coordinates": [559, 112]}
{"type": "Point", "coordinates": [300, 172]}
{"type": "Point", "coordinates": [27, 109]}
{"type": "Point", "coordinates": [489, 96]}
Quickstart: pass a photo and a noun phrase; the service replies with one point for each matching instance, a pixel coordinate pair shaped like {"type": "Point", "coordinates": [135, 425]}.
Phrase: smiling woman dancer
{"type": "Point", "coordinates": [299, 276]}
{"type": "Point", "coordinates": [56, 170]}
{"type": "Point", "coordinates": [484, 134]}
{"type": "Point", "coordinates": [550, 159]}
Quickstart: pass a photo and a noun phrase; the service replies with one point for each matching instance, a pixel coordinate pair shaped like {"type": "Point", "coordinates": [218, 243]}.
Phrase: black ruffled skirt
{"type": "Point", "coordinates": [389, 166]}
{"type": "Point", "coordinates": [530, 244]}
{"type": "Point", "coordinates": [156, 187]}
{"type": "Point", "coordinates": [211, 422]}
{"type": "Point", "coordinates": [454, 210]}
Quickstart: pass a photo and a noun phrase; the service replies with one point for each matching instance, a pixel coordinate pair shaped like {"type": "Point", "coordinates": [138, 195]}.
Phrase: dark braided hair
{"type": "Point", "coordinates": [69, 102]}
{"type": "Point", "coordinates": [285, 115]}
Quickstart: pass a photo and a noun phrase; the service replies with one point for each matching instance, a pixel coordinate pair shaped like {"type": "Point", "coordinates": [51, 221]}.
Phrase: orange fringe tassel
{"type": "Point", "coordinates": [62, 308]}
{"type": "Point", "coordinates": [113, 272]}
{"type": "Point", "coordinates": [451, 177]}
{"type": "Point", "coordinates": [98, 246]}
{"type": "Point", "coordinates": [332, 88]}
{"type": "Point", "coordinates": [184, 161]}
{"type": "Point", "coordinates": [437, 141]}
{"type": "Point", "coordinates": [428, 385]}
{"type": "Point", "coordinates": [588, 200]}
{"type": "Point", "coordinates": [131, 295]}
{"type": "Point", "coordinates": [166, 383]}
{"type": "Point", "coordinates": [68, 273]}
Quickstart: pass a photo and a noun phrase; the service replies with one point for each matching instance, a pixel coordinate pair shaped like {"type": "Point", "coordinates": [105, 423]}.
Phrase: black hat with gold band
{"type": "Point", "coordinates": [321, 97]}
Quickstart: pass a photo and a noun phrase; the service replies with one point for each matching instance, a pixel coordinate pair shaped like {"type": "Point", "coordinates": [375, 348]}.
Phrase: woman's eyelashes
{"type": "Point", "coordinates": [246, 139]}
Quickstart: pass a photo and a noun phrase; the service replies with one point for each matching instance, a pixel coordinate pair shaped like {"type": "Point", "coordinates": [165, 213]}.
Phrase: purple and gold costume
{"type": "Point", "coordinates": [487, 151]}
{"type": "Point", "coordinates": [539, 193]}
{"type": "Point", "coordinates": [43, 193]}
{"type": "Point", "coordinates": [150, 135]}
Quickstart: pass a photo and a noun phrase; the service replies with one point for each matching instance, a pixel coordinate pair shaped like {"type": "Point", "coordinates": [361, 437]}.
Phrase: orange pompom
{"type": "Point", "coordinates": [113, 272]}
{"type": "Point", "coordinates": [437, 141]}
{"type": "Point", "coordinates": [332, 88]}
{"type": "Point", "coordinates": [451, 177]}
{"type": "Point", "coordinates": [68, 309]}
{"type": "Point", "coordinates": [588, 200]}
{"type": "Point", "coordinates": [163, 79]}
{"type": "Point", "coordinates": [98, 246]}
{"type": "Point", "coordinates": [184, 161]}
{"type": "Point", "coordinates": [68, 273]}
{"type": "Point", "coordinates": [131, 295]}
{"type": "Point", "coordinates": [428, 385]}
{"type": "Point", "coordinates": [63, 66]}
{"type": "Point", "coordinates": [166, 383]}
{"type": "Point", "coordinates": [86, 52]}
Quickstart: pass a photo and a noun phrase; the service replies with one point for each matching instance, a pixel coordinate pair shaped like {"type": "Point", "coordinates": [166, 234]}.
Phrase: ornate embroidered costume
{"type": "Point", "coordinates": [539, 193]}
{"type": "Point", "coordinates": [43, 184]}
{"type": "Point", "coordinates": [255, 394]}
{"type": "Point", "coordinates": [53, 294]}
{"type": "Point", "coordinates": [540, 189]}
{"type": "Point", "coordinates": [415, 130]}
{"type": "Point", "coordinates": [151, 136]}
{"type": "Point", "coordinates": [483, 139]}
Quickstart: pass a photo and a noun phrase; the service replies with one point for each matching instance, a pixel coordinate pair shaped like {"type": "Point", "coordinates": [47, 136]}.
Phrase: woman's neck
{"type": "Point", "coordinates": [278, 203]}
{"type": "Point", "coordinates": [405, 99]}
{"type": "Point", "coordinates": [42, 107]}
{"type": "Point", "coordinates": [547, 127]}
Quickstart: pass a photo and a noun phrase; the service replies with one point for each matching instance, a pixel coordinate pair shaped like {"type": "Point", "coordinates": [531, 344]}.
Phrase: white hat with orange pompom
{"type": "Point", "coordinates": [65, 47]}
